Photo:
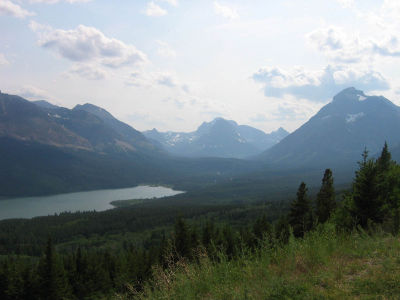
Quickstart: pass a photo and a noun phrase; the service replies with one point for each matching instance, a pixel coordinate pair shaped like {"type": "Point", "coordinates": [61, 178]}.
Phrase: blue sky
{"type": "Point", "coordinates": [172, 64]}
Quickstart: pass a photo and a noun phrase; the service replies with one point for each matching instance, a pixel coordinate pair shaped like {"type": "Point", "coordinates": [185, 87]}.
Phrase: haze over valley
{"type": "Point", "coordinates": [170, 149]}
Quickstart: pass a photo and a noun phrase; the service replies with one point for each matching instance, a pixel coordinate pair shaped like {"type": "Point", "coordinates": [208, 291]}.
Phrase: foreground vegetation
{"type": "Point", "coordinates": [317, 249]}
{"type": "Point", "coordinates": [331, 252]}
{"type": "Point", "coordinates": [323, 265]}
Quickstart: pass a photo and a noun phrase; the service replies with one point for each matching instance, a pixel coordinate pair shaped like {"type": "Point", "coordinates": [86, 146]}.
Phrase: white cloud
{"type": "Point", "coordinates": [259, 118]}
{"type": "Point", "coordinates": [383, 40]}
{"type": "Point", "coordinates": [318, 86]}
{"type": "Point", "coordinates": [9, 8]}
{"type": "Point", "coordinates": [150, 79]}
{"type": "Point", "coordinates": [153, 10]}
{"type": "Point", "coordinates": [88, 44]}
{"type": "Point", "coordinates": [33, 93]}
{"type": "Point", "coordinates": [170, 80]}
{"type": "Point", "coordinates": [88, 71]}
{"type": "Point", "coordinates": [165, 50]}
{"type": "Point", "coordinates": [166, 79]}
{"type": "Point", "coordinates": [338, 46]}
{"type": "Point", "coordinates": [138, 79]}
{"type": "Point", "coordinates": [3, 60]}
{"type": "Point", "coordinates": [390, 46]}
{"type": "Point", "coordinates": [225, 11]}
{"type": "Point", "coordinates": [288, 111]}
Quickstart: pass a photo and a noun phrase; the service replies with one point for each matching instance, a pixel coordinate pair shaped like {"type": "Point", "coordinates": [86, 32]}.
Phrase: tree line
{"type": "Point", "coordinates": [373, 200]}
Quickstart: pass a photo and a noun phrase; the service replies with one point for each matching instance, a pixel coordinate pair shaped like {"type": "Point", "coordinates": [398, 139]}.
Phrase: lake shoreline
{"type": "Point", "coordinates": [72, 191]}
{"type": "Point", "coordinates": [98, 200]}
{"type": "Point", "coordinates": [130, 202]}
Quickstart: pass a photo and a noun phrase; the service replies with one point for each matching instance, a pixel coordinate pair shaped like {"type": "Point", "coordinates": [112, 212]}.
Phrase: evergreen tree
{"type": "Point", "coordinates": [386, 183]}
{"type": "Point", "coordinates": [79, 274]}
{"type": "Point", "coordinates": [208, 235]}
{"type": "Point", "coordinates": [326, 198]}
{"type": "Point", "coordinates": [182, 238]}
{"type": "Point", "coordinates": [385, 160]}
{"type": "Point", "coordinates": [230, 243]}
{"type": "Point", "coordinates": [282, 230]}
{"type": "Point", "coordinates": [300, 215]}
{"type": "Point", "coordinates": [392, 197]}
{"type": "Point", "coordinates": [262, 229]}
{"type": "Point", "coordinates": [194, 241]}
{"type": "Point", "coordinates": [366, 198]}
{"type": "Point", "coordinates": [53, 282]}
{"type": "Point", "coordinates": [389, 189]}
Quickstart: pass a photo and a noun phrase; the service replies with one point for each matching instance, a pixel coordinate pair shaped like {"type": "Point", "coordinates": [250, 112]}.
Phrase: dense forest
{"type": "Point", "coordinates": [92, 255]}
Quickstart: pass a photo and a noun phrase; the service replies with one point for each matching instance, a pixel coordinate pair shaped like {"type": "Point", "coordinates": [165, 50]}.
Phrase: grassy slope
{"type": "Point", "coordinates": [324, 265]}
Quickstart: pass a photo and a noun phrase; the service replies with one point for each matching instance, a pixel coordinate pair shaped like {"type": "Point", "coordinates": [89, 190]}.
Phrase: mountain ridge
{"type": "Point", "coordinates": [78, 128]}
{"type": "Point", "coordinates": [56, 150]}
{"type": "Point", "coordinates": [339, 132]}
{"type": "Point", "coordinates": [218, 138]}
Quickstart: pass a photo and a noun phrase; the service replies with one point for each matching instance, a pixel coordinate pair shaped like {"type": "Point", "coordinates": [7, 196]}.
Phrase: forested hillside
{"type": "Point", "coordinates": [196, 252]}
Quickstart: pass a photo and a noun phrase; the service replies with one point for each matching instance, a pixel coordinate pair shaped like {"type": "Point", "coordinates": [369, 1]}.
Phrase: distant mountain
{"type": "Point", "coordinates": [46, 150]}
{"type": "Point", "coordinates": [85, 127]}
{"type": "Point", "coordinates": [26, 121]}
{"type": "Point", "coordinates": [218, 138]}
{"type": "Point", "coordinates": [45, 104]}
{"type": "Point", "coordinates": [104, 131]}
{"type": "Point", "coordinates": [339, 132]}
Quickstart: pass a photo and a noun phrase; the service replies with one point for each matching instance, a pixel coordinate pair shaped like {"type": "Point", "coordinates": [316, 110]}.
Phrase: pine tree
{"type": "Point", "coordinates": [388, 189]}
{"type": "Point", "coordinates": [182, 238]}
{"type": "Point", "coordinates": [262, 229]}
{"type": "Point", "coordinates": [53, 281]}
{"type": "Point", "coordinates": [385, 160]}
{"type": "Point", "coordinates": [384, 183]}
{"type": "Point", "coordinates": [282, 230]}
{"type": "Point", "coordinates": [393, 196]}
{"type": "Point", "coordinates": [326, 198]}
{"type": "Point", "coordinates": [208, 234]}
{"type": "Point", "coordinates": [366, 198]}
{"type": "Point", "coordinates": [194, 240]}
{"type": "Point", "coordinates": [300, 215]}
{"type": "Point", "coordinates": [229, 242]}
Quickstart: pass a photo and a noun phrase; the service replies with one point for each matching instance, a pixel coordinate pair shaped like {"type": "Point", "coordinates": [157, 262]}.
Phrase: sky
{"type": "Point", "coordinates": [173, 64]}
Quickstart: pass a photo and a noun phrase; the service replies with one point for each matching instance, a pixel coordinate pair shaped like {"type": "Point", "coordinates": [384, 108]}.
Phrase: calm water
{"type": "Point", "coordinates": [98, 200]}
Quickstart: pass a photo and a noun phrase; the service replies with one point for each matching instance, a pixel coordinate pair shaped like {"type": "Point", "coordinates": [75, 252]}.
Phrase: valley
{"type": "Point", "coordinates": [231, 198]}
{"type": "Point", "coordinates": [213, 150]}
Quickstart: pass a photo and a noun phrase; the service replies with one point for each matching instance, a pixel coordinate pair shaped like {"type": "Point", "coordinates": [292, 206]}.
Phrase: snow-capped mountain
{"type": "Point", "coordinates": [218, 138]}
{"type": "Point", "coordinates": [340, 131]}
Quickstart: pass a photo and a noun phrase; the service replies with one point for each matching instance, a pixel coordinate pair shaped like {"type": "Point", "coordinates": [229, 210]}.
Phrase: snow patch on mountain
{"type": "Point", "coordinates": [218, 138]}
{"type": "Point", "coordinates": [351, 118]}
{"type": "Point", "coordinates": [361, 98]}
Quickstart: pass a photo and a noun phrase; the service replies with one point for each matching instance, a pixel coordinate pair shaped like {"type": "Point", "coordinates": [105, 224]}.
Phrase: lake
{"type": "Point", "coordinates": [99, 200]}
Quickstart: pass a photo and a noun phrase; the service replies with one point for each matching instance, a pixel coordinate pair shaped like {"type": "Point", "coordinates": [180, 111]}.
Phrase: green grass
{"type": "Point", "coordinates": [323, 265]}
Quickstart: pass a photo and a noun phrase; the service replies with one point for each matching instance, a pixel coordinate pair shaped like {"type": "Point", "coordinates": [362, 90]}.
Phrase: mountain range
{"type": "Point", "coordinates": [48, 149]}
{"type": "Point", "coordinates": [218, 138]}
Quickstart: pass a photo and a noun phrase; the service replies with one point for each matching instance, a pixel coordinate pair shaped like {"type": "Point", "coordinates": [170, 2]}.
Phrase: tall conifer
{"type": "Point", "coordinates": [53, 280]}
{"type": "Point", "coordinates": [300, 215]}
{"type": "Point", "coordinates": [366, 193]}
{"type": "Point", "coordinates": [326, 198]}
